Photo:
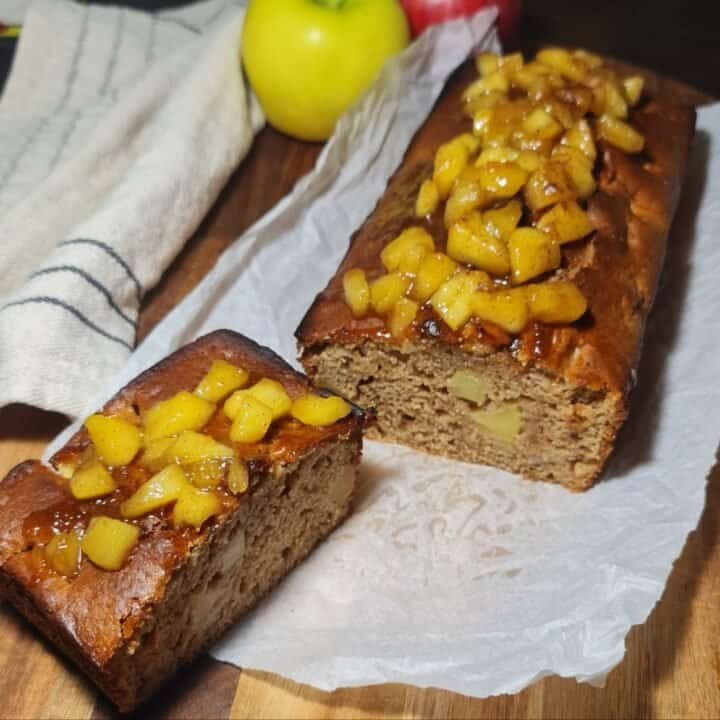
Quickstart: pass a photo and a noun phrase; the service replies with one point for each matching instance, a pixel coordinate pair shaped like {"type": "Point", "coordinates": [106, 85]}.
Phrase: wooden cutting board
{"type": "Point", "coordinates": [672, 666]}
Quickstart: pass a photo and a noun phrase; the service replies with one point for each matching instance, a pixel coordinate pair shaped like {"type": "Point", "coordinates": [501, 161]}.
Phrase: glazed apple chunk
{"type": "Point", "coordinates": [509, 194]}
{"type": "Point", "coordinates": [187, 470]}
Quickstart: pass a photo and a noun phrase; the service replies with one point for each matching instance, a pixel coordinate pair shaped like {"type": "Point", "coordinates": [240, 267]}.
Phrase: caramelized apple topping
{"type": "Point", "coordinates": [510, 193]}
{"type": "Point", "coordinates": [179, 472]}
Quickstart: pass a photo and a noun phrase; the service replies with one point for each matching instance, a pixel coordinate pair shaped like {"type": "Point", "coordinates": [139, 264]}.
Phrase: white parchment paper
{"type": "Point", "coordinates": [452, 575]}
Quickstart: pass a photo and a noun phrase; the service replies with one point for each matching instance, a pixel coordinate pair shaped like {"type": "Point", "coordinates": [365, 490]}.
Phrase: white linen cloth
{"type": "Point", "coordinates": [13, 12]}
{"type": "Point", "coordinates": [118, 129]}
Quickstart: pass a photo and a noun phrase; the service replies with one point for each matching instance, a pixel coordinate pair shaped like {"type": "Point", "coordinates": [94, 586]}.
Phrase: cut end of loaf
{"type": "Point", "coordinates": [288, 515]}
{"type": "Point", "coordinates": [291, 510]}
{"type": "Point", "coordinates": [520, 419]}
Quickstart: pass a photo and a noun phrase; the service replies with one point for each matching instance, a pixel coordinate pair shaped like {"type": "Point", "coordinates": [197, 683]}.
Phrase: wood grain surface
{"type": "Point", "coordinates": [672, 666]}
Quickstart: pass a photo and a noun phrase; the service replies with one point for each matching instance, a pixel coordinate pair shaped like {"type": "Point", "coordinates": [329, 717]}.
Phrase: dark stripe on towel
{"type": "Point", "coordinates": [112, 253]}
{"type": "Point", "coordinates": [92, 281]}
{"type": "Point", "coordinates": [180, 23]}
{"type": "Point", "coordinates": [112, 62]}
{"type": "Point", "coordinates": [69, 308]}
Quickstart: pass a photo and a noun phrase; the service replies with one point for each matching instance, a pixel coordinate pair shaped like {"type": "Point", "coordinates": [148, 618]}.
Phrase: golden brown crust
{"type": "Point", "coordinates": [96, 615]}
{"type": "Point", "coordinates": [617, 268]}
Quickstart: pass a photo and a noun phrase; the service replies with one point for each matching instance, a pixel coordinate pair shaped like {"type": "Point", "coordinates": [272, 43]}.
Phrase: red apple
{"type": "Point", "coordinates": [422, 13]}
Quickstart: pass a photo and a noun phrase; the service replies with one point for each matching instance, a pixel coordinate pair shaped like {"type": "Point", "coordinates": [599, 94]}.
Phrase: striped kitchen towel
{"type": "Point", "coordinates": [118, 129]}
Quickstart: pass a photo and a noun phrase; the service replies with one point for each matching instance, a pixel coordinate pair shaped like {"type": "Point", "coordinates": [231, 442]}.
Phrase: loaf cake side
{"type": "Point", "coordinates": [545, 401]}
{"type": "Point", "coordinates": [180, 586]}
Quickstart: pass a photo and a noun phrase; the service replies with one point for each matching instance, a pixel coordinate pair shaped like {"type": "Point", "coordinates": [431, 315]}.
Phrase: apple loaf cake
{"type": "Point", "coordinates": [175, 509]}
{"type": "Point", "coordinates": [492, 306]}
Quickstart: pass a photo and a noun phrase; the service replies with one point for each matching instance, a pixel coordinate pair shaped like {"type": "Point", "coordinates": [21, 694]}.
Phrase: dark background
{"type": "Point", "coordinates": [679, 38]}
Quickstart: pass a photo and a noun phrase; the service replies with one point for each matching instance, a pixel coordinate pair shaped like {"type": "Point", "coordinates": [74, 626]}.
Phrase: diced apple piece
{"type": "Point", "coordinates": [633, 86]}
{"type": "Point", "coordinates": [529, 71]}
{"type": "Point", "coordinates": [556, 81]}
{"type": "Point", "coordinates": [565, 222]}
{"type": "Point", "coordinates": [411, 260]}
{"type": "Point", "coordinates": [434, 270]}
{"type": "Point", "coordinates": [319, 411]}
{"type": "Point", "coordinates": [206, 473]}
{"type": "Point", "coordinates": [472, 103]}
{"type": "Point", "coordinates": [387, 290]}
{"type": "Point", "coordinates": [548, 186]}
{"type": "Point", "coordinates": [502, 180]}
{"type": "Point", "coordinates": [556, 302]}
{"type": "Point", "coordinates": [160, 490]}
{"type": "Point", "coordinates": [502, 423]}
{"type": "Point", "coordinates": [615, 104]}
{"type": "Point", "coordinates": [450, 160]}
{"type": "Point", "coordinates": [508, 309]}
{"type": "Point", "coordinates": [562, 62]}
{"type": "Point", "coordinates": [116, 439]}
{"type": "Point", "coordinates": [476, 91]}
{"type": "Point", "coordinates": [63, 553]}
{"type": "Point", "coordinates": [183, 411]}
{"type": "Point", "coordinates": [238, 477]}
{"type": "Point", "coordinates": [468, 385]}
{"type": "Point", "coordinates": [580, 137]}
{"type": "Point", "coordinates": [500, 222]}
{"type": "Point", "coordinates": [620, 134]}
{"type": "Point", "coordinates": [512, 62]}
{"type": "Point", "coordinates": [469, 242]}
{"type": "Point", "coordinates": [582, 178]}
{"type": "Point", "coordinates": [252, 418]}
{"type": "Point", "coordinates": [576, 100]}
{"type": "Point", "coordinates": [532, 253]}
{"type": "Point", "coordinates": [541, 124]}
{"type": "Point", "coordinates": [273, 394]}
{"type": "Point", "coordinates": [563, 154]}
{"type": "Point", "coordinates": [221, 379]}
{"type": "Point", "coordinates": [467, 195]}
{"type": "Point", "coordinates": [357, 292]}
{"type": "Point", "coordinates": [597, 104]}
{"type": "Point", "coordinates": [590, 60]}
{"type": "Point", "coordinates": [469, 141]}
{"type": "Point", "coordinates": [497, 154]}
{"type": "Point", "coordinates": [402, 316]}
{"type": "Point", "coordinates": [191, 447]}
{"type": "Point", "coordinates": [233, 403]}
{"type": "Point", "coordinates": [496, 81]}
{"type": "Point", "coordinates": [427, 199]}
{"type": "Point", "coordinates": [534, 83]}
{"type": "Point", "coordinates": [194, 507]}
{"type": "Point", "coordinates": [109, 542]}
{"type": "Point", "coordinates": [91, 481]}
{"type": "Point", "coordinates": [452, 299]}
{"type": "Point", "coordinates": [528, 143]}
{"type": "Point", "coordinates": [487, 63]}
{"type": "Point", "coordinates": [509, 113]}
{"type": "Point", "coordinates": [529, 160]}
{"type": "Point", "coordinates": [481, 122]}
{"type": "Point", "coordinates": [154, 456]}
{"type": "Point", "coordinates": [394, 252]}
{"type": "Point", "coordinates": [578, 168]}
